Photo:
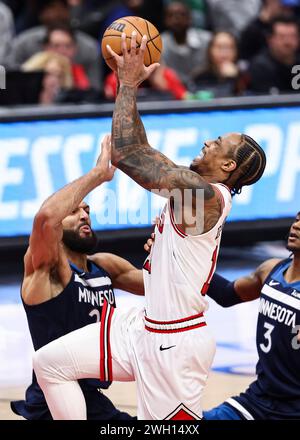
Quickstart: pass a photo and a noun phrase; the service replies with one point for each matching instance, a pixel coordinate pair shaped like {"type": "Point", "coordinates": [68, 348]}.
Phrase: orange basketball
{"type": "Point", "coordinates": [112, 37]}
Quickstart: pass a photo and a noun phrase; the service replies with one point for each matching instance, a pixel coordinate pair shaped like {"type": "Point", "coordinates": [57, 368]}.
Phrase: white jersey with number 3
{"type": "Point", "coordinates": [179, 268]}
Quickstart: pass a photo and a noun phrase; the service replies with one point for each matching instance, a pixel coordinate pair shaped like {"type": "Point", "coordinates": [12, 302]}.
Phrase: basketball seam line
{"type": "Point", "coordinates": [154, 43]}
{"type": "Point", "coordinates": [149, 53]}
{"type": "Point", "coordinates": [138, 45]}
{"type": "Point", "coordinates": [117, 35]}
{"type": "Point", "coordinates": [114, 35]}
{"type": "Point", "coordinates": [147, 42]}
{"type": "Point", "coordinates": [127, 21]}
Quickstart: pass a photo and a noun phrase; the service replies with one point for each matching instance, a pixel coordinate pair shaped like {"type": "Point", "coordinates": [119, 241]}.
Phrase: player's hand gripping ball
{"type": "Point", "coordinates": [112, 37]}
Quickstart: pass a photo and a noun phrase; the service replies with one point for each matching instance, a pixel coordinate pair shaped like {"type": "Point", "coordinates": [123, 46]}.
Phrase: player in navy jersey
{"type": "Point", "coordinates": [64, 289]}
{"type": "Point", "coordinates": [275, 394]}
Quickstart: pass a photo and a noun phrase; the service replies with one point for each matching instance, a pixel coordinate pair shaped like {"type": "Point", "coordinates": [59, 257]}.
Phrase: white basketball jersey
{"type": "Point", "coordinates": [179, 268]}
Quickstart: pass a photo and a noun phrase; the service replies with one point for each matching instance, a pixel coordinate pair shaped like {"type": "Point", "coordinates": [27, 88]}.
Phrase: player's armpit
{"type": "Point", "coordinates": [123, 274]}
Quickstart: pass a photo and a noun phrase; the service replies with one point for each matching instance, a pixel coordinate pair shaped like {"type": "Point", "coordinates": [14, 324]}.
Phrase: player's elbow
{"type": "Point", "coordinates": [115, 161]}
{"type": "Point", "coordinates": [44, 222]}
{"type": "Point", "coordinates": [116, 155]}
{"type": "Point", "coordinates": [115, 158]}
{"type": "Point", "coordinates": [44, 215]}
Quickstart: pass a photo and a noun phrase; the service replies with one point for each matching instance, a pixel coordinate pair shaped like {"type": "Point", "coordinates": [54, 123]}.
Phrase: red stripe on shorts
{"type": "Point", "coordinates": [109, 360]}
{"type": "Point", "coordinates": [176, 321]}
{"type": "Point", "coordinates": [102, 341]}
{"type": "Point", "coordinates": [176, 330]}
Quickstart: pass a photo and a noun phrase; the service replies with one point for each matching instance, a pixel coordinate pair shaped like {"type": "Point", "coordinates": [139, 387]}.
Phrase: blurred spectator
{"type": "Point", "coordinates": [27, 13]}
{"type": "Point", "coordinates": [198, 12]}
{"type": "Point", "coordinates": [151, 11]}
{"type": "Point", "coordinates": [270, 71]}
{"type": "Point", "coordinates": [233, 15]}
{"type": "Point", "coordinates": [154, 11]}
{"type": "Point", "coordinates": [89, 15]}
{"type": "Point", "coordinates": [162, 84]}
{"type": "Point", "coordinates": [222, 77]}
{"type": "Point", "coordinates": [184, 47]}
{"type": "Point", "coordinates": [122, 9]}
{"type": "Point", "coordinates": [198, 8]}
{"type": "Point", "coordinates": [61, 40]}
{"type": "Point", "coordinates": [6, 31]}
{"type": "Point", "coordinates": [31, 41]}
{"type": "Point", "coordinates": [254, 36]}
{"type": "Point", "coordinates": [58, 74]}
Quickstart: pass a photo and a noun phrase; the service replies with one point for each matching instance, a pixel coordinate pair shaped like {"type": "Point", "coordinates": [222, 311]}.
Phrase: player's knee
{"type": "Point", "coordinates": [44, 364]}
{"type": "Point", "coordinates": [41, 361]}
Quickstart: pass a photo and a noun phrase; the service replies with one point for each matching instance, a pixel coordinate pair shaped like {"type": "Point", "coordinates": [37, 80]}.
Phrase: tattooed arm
{"type": "Point", "coordinates": [132, 154]}
{"type": "Point", "coordinates": [131, 151]}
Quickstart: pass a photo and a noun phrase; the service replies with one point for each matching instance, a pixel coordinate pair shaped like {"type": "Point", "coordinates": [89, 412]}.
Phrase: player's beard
{"type": "Point", "coordinates": [83, 245]}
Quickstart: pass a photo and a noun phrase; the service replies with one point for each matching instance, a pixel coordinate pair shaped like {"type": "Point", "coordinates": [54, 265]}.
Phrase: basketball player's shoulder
{"type": "Point", "coordinates": [111, 263]}
{"type": "Point", "coordinates": [265, 268]}
{"type": "Point", "coordinates": [102, 259]}
{"type": "Point", "coordinates": [223, 197]}
{"type": "Point", "coordinates": [222, 190]}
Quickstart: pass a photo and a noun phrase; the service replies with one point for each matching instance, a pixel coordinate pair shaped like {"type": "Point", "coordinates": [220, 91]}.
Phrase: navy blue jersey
{"type": "Point", "coordinates": [79, 304]}
{"type": "Point", "coordinates": [276, 392]}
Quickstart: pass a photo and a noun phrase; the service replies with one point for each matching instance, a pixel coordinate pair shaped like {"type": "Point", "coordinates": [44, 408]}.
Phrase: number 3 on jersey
{"type": "Point", "coordinates": [266, 347]}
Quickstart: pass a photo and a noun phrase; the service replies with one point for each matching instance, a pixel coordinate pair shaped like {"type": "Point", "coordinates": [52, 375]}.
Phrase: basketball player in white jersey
{"type": "Point", "coordinates": [167, 348]}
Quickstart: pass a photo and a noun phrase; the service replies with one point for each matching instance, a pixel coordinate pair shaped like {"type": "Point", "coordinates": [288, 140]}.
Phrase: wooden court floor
{"type": "Point", "coordinates": [220, 386]}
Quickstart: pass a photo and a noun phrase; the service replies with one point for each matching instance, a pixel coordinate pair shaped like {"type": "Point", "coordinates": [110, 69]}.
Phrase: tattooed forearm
{"type": "Point", "coordinates": [127, 129]}
{"type": "Point", "coordinates": [132, 153]}
{"type": "Point", "coordinates": [128, 132]}
{"type": "Point", "coordinates": [150, 170]}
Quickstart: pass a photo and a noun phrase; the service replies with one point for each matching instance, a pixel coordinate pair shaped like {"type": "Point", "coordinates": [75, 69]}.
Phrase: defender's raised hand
{"type": "Point", "coordinates": [131, 70]}
{"type": "Point", "coordinates": [103, 163]}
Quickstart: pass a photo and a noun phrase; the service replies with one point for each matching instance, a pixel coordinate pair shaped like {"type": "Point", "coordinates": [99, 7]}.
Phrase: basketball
{"type": "Point", "coordinates": [112, 37]}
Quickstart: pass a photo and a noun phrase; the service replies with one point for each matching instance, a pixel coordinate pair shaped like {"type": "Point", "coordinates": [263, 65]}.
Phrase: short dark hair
{"type": "Point", "coordinates": [64, 27]}
{"type": "Point", "coordinates": [46, 3]}
{"type": "Point", "coordinates": [282, 19]}
{"type": "Point", "coordinates": [250, 159]}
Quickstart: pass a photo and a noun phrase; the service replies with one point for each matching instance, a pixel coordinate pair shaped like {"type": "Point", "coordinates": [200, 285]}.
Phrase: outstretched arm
{"type": "Point", "coordinates": [47, 227]}
{"type": "Point", "coordinates": [228, 293]}
{"type": "Point", "coordinates": [122, 273]}
{"type": "Point", "coordinates": [131, 151]}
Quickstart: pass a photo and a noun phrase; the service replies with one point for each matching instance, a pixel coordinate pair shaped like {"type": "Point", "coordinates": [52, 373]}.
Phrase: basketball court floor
{"type": "Point", "coordinates": [234, 329]}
